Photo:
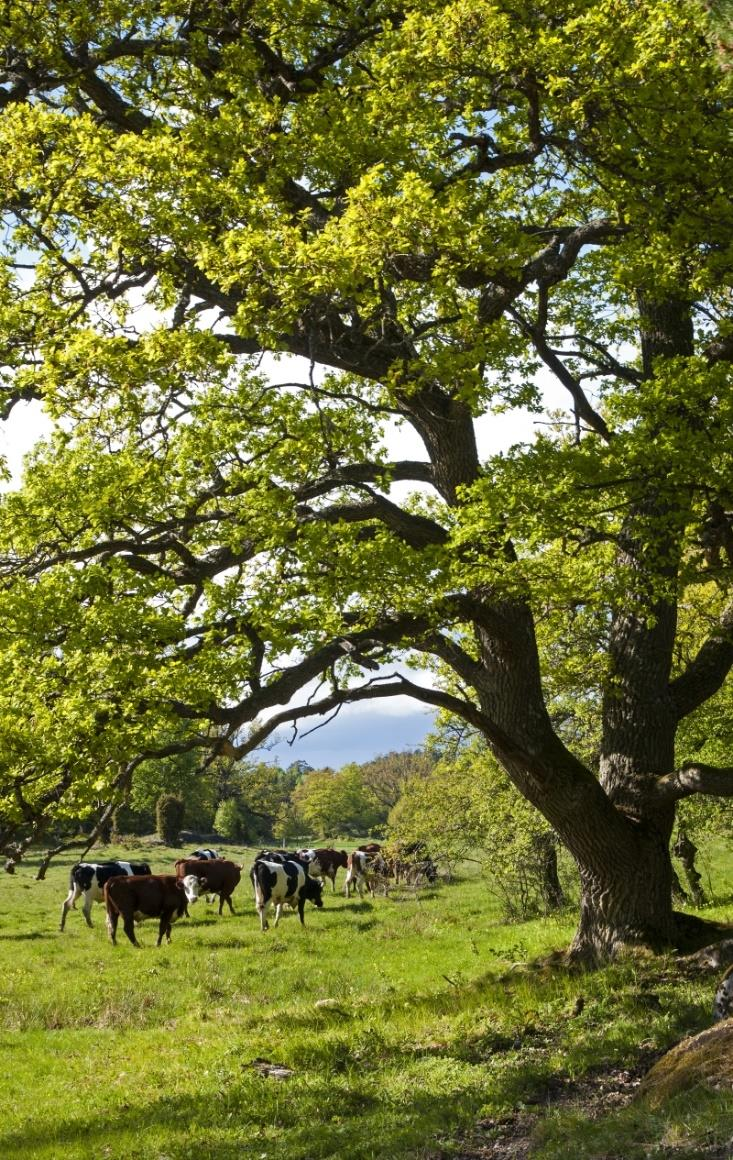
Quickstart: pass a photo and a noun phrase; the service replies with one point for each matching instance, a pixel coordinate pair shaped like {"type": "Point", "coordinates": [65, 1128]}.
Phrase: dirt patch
{"type": "Point", "coordinates": [601, 1091]}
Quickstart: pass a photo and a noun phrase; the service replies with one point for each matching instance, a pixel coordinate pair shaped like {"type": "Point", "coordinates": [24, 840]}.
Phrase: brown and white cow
{"type": "Point", "coordinates": [221, 876]}
{"type": "Point", "coordinates": [87, 879]}
{"type": "Point", "coordinates": [410, 863]}
{"type": "Point", "coordinates": [162, 896]}
{"type": "Point", "coordinates": [328, 862]}
{"type": "Point", "coordinates": [365, 868]}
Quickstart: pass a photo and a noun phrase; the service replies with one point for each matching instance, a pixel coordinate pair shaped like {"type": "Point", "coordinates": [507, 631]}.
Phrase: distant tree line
{"type": "Point", "coordinates": [250, 802]}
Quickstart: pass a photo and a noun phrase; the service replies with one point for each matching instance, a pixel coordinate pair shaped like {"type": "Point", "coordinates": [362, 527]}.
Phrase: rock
{"type": "Point", "coordinates": [702, 1060]}
{"type": "Point", "coordinates": [271, 1070]}
{"type": "Point", "coordinates": [331, 1005]}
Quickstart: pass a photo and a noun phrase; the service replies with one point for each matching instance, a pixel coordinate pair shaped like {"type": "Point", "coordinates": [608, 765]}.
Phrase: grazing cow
{"type": "Point", "coordinates": [370, 848]}
{"type": "Point", "coordinates": [88, 879]}
{"type": "Point", "coordinates": [329, 861]}
{"type": "Point", "coordinates": [204, 854]}
{"type": "Point", "coordinates": [364, 869]}
{"type": "Point", "coordinates": [280, 883]}
{"type": "Point", "coordinates": [723, 1004]}
{"type": "Point", "coordinates": [411, 862]}
{"type": "Point", "coordinates": [160, 896]}
{"type": "Point", "coordinates": [221, 876]}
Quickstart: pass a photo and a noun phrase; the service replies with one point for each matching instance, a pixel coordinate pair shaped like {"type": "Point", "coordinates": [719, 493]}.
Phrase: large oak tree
{"type": "Point", "coordinates": [437, 205]}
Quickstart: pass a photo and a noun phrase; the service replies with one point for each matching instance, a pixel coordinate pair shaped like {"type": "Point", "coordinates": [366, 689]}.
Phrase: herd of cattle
{"type": "Point", "coordinates": [131, 892]}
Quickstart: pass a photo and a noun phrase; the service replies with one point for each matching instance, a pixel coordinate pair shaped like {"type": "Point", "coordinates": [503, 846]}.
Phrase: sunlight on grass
{"type": "Point", "coordinates": [398, 1021]}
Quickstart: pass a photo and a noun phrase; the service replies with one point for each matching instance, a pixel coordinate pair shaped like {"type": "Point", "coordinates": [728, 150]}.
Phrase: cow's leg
{"type": "Point", "coordinates": [164, 927]}
{"type": "Point", "coordinates": [128, 924]}
{"type": "Point", "coordinates": [332, 876]}
{"type": "Point", "coordinates": [228, 902]}
{"type": "Point", "coordinates": [262, 909]}
{"type": "Point", "coordinates": [347, 883]}
{"type": "Point", "coordinates": [112, 917]}
{"type": "Point", "coordinates": [87, 907]}
{"type": "Point", "coordinates": [278, 912]}
{"type": "Point", "coordinates": [68, 903]}
{"type": "Point", "coordinates": [301, 909]}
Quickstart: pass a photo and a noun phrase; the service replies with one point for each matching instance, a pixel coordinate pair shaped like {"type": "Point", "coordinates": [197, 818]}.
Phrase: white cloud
{"type": "Point", "coordinates": [19, 434]}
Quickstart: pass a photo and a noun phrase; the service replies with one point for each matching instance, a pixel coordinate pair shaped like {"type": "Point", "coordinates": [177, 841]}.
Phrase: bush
{"type": "Point", "coordinates": [230, 821]}
{"type": "Point", "coordinates": [169, 815]}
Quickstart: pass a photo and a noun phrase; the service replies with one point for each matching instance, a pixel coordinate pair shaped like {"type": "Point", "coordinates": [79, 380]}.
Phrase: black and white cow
{"type": "Point", "coordinates": [281, 884]}
{"type": "Point", "coordinates": [88, 879]}
{"type": "Point", "coordinates": [206, 853]}
{"type": "Point", "coordinates": [307, 859]}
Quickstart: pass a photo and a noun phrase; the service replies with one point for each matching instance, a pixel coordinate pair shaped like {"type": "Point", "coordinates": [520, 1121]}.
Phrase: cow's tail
{"type": "Point", "coordinates": [257, 870]}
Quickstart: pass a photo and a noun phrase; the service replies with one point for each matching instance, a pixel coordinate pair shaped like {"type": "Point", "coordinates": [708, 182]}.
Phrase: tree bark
{"type": "Point", "coordinates": [628, 905]}
{"type": "Point", "coordinates": [553, 894]}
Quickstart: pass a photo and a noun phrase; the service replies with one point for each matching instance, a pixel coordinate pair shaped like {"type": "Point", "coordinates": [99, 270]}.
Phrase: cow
{"type": "Point", "coordinates": [723, 1003]}
{"type": "Point", "coordinates": [205, 853]}
{"type": "Point", "coordinates": [329, 861]}
{"type": "Point", "coordinates": [88, 879]}
{"type": "Point", "coordinates": [281, 883]}
{"type": "Point", "coordinates": [364, 869]}
{"type": "Point", "coordinates": [141, 896]}
{"type": "Point", "coordinates": [220, 875]}
{"type": "Point", "coordinates": [306, 858]}
{"type": "Point", "coordinates": [412, 863]}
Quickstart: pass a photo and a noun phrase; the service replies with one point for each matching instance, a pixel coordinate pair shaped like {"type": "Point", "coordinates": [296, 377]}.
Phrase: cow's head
{"type": "Point", "coordinates": [313, 891]}
{"type": "Point", "coordinates": [193, 887]}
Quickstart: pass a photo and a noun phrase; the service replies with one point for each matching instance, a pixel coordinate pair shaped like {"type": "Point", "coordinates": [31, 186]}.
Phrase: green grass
{"type": "Point", "coordinates": [432, 1021]}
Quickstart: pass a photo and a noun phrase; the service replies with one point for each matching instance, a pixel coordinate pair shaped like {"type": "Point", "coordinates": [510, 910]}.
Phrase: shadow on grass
{"type": "Point", "coordinates": [360, 907]}
{"type": "Point", "coordinates": [27, 936]}
{"type": "Point", "coordinates": [365, 1124]}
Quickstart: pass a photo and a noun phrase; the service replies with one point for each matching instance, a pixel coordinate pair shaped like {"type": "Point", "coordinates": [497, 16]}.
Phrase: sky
{"type": "Point", "coordinates": [359, 732]}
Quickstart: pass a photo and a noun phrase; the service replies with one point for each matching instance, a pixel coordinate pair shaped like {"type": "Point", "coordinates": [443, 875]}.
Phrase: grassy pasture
{"type": "Point", "coordinates": [403, 1021]}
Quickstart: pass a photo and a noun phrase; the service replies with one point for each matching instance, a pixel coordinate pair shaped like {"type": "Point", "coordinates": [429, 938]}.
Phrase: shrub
{"type": "Point", "coordinates": [230, 821]}
{"type": "Point", "coordinates": [169, 815]}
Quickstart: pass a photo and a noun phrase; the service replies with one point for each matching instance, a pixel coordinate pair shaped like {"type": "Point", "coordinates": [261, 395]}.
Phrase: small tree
{"type": "Point", "coordinates": [468, 807]}
{"type": "Point", "coordinates": [169, 815]}
{"type": "Point", "coordinates": [230, 820]}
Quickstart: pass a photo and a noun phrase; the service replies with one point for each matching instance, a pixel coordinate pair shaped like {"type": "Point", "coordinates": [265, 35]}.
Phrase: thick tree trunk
{"type": "Point", "coordinates": [553, 894]}
{"type": "Point", "coordinates": [629, 905]}
{"type": "Point", "coordinates": [626, 897]}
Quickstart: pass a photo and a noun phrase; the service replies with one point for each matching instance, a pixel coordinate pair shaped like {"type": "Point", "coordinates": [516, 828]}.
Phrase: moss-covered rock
{"type": "Point", "coordinates": [702, 1060]}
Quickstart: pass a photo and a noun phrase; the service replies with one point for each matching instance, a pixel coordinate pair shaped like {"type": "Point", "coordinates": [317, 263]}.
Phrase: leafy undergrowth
{"type": "Point", "coordinates": [398, 1027]}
